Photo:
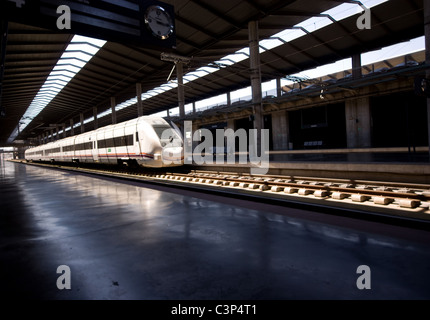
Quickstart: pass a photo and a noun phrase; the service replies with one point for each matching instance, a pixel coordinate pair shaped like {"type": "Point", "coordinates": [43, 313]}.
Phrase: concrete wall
{"type": "Point", "coordinates": [358, 130]}
{"type": "Point", "coordinates": [280, 130]}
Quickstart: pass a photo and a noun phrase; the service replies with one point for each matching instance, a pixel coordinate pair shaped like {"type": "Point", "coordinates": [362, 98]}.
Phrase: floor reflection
{"type": "Point", "coordinates": [163, 245]}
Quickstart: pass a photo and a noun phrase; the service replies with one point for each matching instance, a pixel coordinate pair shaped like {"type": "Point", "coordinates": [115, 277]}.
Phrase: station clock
{"type": "Point", "coordinates": [159, 22]}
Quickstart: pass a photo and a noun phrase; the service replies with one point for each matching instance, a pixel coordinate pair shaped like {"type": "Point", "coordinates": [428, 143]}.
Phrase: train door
{"type": "Point", "coordinates": [128, 137]}
{"type": "Point", "coordinates": [137, 139]}
{"type": "Point", "coordinates": [95, 151]}
{"type": "Point", "coordinates": [101, 146]}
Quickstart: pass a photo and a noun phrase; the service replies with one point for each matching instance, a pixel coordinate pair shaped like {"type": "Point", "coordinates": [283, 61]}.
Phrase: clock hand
{"type": "Point", "coordinates": [162, 24]}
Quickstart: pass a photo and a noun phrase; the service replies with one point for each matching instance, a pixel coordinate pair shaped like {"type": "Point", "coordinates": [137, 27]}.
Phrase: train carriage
{"type": "Point", "coordinates": [146, 141]}
{"type": "Point", "coordinates": [68, 150]}
{"type": "Point", "coordinates": [52, 151]}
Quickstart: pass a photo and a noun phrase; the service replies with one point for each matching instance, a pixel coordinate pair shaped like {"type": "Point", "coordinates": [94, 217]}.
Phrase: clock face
{"type": "Point", "coordinates": [159, 22]}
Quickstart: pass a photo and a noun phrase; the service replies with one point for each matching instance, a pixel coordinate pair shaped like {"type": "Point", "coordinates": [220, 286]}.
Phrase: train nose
{"type": "Point", "coordinates": [172, 156]}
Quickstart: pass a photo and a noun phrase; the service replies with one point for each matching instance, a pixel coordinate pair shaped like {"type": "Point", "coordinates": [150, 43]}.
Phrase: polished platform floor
{"type": "Point", "coordinates": [128, 241]}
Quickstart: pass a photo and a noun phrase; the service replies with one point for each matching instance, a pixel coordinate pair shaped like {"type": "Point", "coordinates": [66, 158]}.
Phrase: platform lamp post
{"type": "Point", "coordinates": [179, 62]}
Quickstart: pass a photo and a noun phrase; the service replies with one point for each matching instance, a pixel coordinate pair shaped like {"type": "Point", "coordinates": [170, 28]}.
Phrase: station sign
{"type": "Point", "coordinates": [148, 23]}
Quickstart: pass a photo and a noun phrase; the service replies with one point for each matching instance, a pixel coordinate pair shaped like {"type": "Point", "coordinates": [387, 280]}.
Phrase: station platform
{"type": "Point", "coordinates": [126, 240]}
{"type": "Point", "coordinates": [372, 164]}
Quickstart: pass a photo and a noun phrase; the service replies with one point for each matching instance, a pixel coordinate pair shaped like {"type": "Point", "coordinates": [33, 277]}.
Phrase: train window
{"type": "Point", "coordinates": [160, 129]}
{"type": "Point", "coordinates": [129, 140]}
{"type": "Point", "coordinates": [53, 150]}
{"type": "Point", "coordinates": [116, 142]}
{"type": "Point", "coordinates": [167, 134]}
{"type": "Point", "coordinates": [137, 136]}
{"type": "Point", "coordinates": [110, 143]}
{"type": "Point", "coordinates": [68, 148]}
{"type": "Point", "coordinates": [84, 146]}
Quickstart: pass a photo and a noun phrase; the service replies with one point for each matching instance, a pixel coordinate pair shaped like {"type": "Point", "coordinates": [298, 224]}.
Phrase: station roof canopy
{"type": "Point", "coordinates": [206, 31]}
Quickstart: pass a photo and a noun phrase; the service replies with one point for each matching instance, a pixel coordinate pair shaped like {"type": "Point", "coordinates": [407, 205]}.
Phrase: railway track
{"type": "Point", "coordinates": [384, 193]}
{"type": "Point", "coordinates": [410, 201]}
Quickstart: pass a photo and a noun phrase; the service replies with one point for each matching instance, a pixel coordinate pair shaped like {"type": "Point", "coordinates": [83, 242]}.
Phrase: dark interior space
{"type": "Point", "coordinates": [318, 127]}
{"type": "Point", "coordinates": [399, 120]}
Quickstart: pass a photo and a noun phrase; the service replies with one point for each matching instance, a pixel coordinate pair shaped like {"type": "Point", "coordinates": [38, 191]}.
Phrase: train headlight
{"type": "Point", "coordinates": [157, 156]}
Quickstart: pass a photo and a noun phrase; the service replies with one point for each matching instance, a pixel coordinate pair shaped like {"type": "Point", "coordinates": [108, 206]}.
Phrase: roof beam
{"type": "Point", "coordinates": [219, 14]}
{"type": "Point", "coordinates": [196, 27]}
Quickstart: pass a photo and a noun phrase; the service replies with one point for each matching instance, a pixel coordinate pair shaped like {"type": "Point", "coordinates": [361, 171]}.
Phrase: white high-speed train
{"type": "Point", "coordinates": [147, 141]}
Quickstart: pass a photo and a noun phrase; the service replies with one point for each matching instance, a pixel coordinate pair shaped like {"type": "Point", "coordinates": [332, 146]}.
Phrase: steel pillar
{"type": "Point", "coordinates": [255, 73]}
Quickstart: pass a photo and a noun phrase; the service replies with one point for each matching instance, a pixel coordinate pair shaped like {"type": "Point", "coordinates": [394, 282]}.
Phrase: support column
{"type": "Point", "coordinates": [82, 123]}
{"type": "Point", "coordinates": [427, 46]}
{"type": "Point", "coordinates": [229, 98]}
{"type": "Point", "coordinates": [139, 99]}
{"type": "Point", "coordinates": [358, 130]}
{"type": "Point", "coordinates": [280, 130]}
{"type": "Point", "coordinates": [194, 107]}
{"type": "Point", "coordinates": [64, 130]}
{"type": "Point", "coordinates": [231, 124]}
{"type": "Point", "coordinates": [52, 135]}
{"type": "Point", "coordinates": [181, 93]}
{"type": "Point", "coordinates": [113, 105]}
{"type": "Point", "coordinates": [356, 66]}
{"type": "Point", "coordinates": [72, 130]}
{"type": "Point", "coordinates": [255, 71]}
{"type": "Point", "coordinates": [57, 129]}
{"type": "Point", "coordinates": [21, 153]}
{"type": "Point", "coordinates": [96, 121]}
{"type": "Point", "coordinates": [278, 87]}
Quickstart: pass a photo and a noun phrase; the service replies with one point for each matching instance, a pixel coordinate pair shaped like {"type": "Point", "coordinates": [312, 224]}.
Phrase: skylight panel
{"type": "Point", "coordinates": [88, 120]}
{"type": "Point", "coordinates": [104, 113]}
{"type": "Point", "coordinates": [72, 62]}
{"type": "Point", "coordinates": [79, 51]}
{"type": "Point", "coordinates": [81, 55]}
{"type": "Point", "coordinates": [403, 48]}
{"type": "Point", "coordinates": [271, 43]}
{"type": "Point", "coordinates": [63, 72]}
{"type": "Point", "coordinates": [84, 47]}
